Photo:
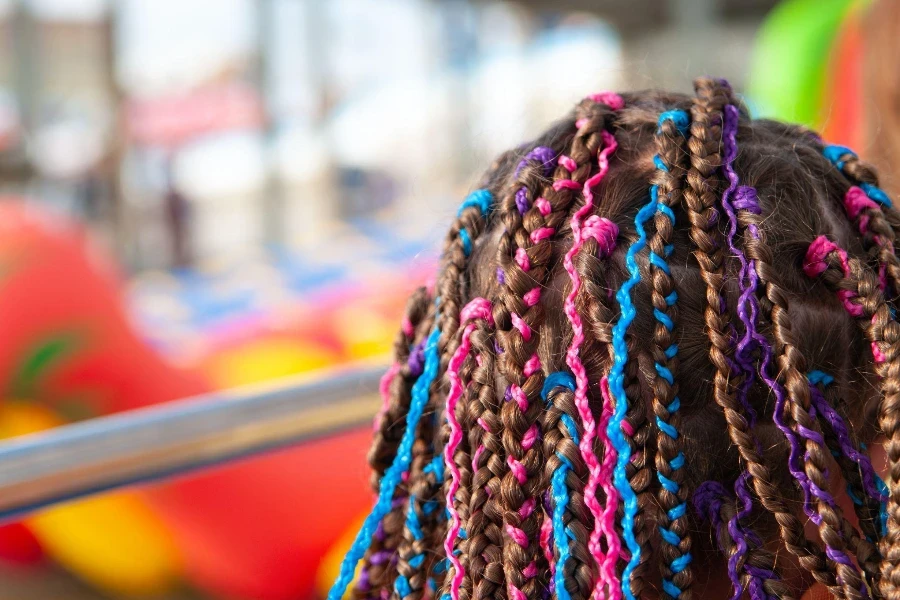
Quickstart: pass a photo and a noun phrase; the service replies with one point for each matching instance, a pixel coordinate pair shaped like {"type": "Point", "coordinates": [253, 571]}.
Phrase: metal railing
{"type": "Point", "coordinates": [178, 437]}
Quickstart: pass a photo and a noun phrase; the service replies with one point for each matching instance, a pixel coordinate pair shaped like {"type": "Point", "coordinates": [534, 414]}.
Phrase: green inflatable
{"type": "Point", "coordinates": [790, 60]}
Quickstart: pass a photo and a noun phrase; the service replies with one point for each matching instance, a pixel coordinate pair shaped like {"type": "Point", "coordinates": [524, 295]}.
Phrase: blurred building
{"type": "Point", "coordinates": [189, 130]}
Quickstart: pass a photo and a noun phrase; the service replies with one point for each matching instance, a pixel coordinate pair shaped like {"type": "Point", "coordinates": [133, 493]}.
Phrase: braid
{"type": "Point", "coordinates": [482, 547]}
{"type": "Point", "coordinates": [707, 118]}
{"type": "Point", "coordinates": [856, 468]}
{"type": "Point", "coordinates": [604, 233]}
{"type": "Point", "coordinates": [868, 207]}
{"type": "Point", "coordinates": [625, 438]}
{"type": "Point", "coordinates": [757, 573]}
{"type": "Point", "coordinates": [598, 237]}
{"type": "Point", "coordinates": [791, 376]}
{"type": "Point", "coordinates": [423, 530]}
{"type": "Point", "coordinates": [467, 227]}
{"type": "Point", "coordinates": [377, 572]}
{"type": "Point", "coordinates": [673, 493]}
{"type": "Point", "coordinates": [395, 386]}
{"type": "Point", "coordinates": [518, 516]}
{"type": "Point", "coordinates": [456, 457]}
{"type": "Point", "coordinates": [573, 572]}
{"type": "Point", "coordinates": [861, 296]}
{"type": "Point", "coordinates": [504, 480]}
{"type": "Point", "coordinates": [524, 253]}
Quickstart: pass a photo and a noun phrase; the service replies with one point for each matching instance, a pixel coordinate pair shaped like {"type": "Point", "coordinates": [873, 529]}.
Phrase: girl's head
{"type": "Point", "coordinates": [661, 337]}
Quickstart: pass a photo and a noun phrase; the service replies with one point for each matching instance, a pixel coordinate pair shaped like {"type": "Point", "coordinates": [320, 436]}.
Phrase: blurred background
{"type": "Point", "coordinates": [201, 194]}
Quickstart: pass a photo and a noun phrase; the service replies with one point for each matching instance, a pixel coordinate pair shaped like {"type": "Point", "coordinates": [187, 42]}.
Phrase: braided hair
{"type": "Point", "coordinates": [617, 293]}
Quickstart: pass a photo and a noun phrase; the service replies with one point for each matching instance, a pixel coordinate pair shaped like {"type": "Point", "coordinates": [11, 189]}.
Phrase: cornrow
{"type": "Point", "coordinates": [861, 296]}
{"type": "Point", "coordinates": [604, 233]}
{"type": "Point", "coordinates": [670, 461]}
{"type": "Point", "coordinates": [707, 119]}
{"type": "Point", "coordinates": [572, 571]}
{"type": "Point", "coordinates": [477, 309]}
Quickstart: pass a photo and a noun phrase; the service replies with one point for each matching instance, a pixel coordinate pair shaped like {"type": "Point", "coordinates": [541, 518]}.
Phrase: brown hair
{"type": "Point", "coordinates": [513, 393]}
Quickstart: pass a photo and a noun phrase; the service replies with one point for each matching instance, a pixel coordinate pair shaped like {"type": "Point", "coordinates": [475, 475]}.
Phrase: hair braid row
{"type": "Point", "coordinates": [483, 543]}
{"type": "Point", "coordinates": [756, 571]}
{"type": "Point", "coordinates": [456, 454]}
{"type": "Point", "coordinates": [673, 494]}
{"type": "Point", "coordinates": [573, 569]}
{"type": "Point", "coordinates": [868, 207]}
{"type": "Point", "coordinates": [423, 531]}
{"type": "Point", "coordinates": [859, 292]}
{"type": "Point", "coordinates": [857, 471]}
{"type": "Point", "coordinates": [700, 199]}
{"type": "Point", "coordinates": [377, 571]}
{"type": "Point", "coordinates": [524, 253]}
{"type": "Point", "coordinates": [603, 232]}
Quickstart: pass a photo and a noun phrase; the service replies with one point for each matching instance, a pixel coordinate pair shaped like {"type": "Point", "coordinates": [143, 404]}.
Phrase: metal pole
{"type": "Point", "coordinates": [160, 441]}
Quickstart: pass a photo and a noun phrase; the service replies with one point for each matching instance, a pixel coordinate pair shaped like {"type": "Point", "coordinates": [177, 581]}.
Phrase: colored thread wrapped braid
{"type": "Point", "coordinates": [866, 206]}
{"type": "Point", "coordinates": [424, 528]}
{"type": "Point", "coordinates": [604, 233]}
{"type": "Point", "coordinates": [476, 309]}
{"type": "Point", "coordinates": [713, 502]}
{"type": "Point", "coordinates": [558, 486]}
{"type": "Point", "coordinates": [838, 156]}
{"type": "Point", "coordinates": [393, 474]}
{"type": "Point", "coordinates": [617, 389]}
{"type": "Point", "coordinates": [707, 119]}
{"type": "Point", "coordinates": [670, 460]}
{"type": "Point", "coordinates": [522, 252]}
{"type": "Point", "coordinates": [546, 158]}
{"type": "Point", "coordinates": [869, 484]}
{"type": "Point", "coordinates": [830, 262]}
{"type": "Point", "coordinates": [376, 574]}
{"type": "Point", "coordinates": [736, 197]}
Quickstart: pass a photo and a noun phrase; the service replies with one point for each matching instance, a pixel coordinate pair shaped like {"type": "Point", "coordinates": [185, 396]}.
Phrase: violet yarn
{"type": "Point", "coordinates": [847, 447]}
{"type": "Point", "coordinates": [708, 501]}
{"type": "Point", "coordinates": [547, 159]}
{"type": "Point", "coordinates": [416, 359]}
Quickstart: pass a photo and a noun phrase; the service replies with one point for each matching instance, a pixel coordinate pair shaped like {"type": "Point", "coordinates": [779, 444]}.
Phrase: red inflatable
{"type": "Point", "coordinates": [253, 529]}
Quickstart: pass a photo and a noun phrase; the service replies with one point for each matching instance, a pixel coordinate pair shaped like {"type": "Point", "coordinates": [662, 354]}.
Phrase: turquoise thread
{"type": "Point", "coordinates": [555, 380]}
{"type": "Point", "coordinates": [558, 488]}
{"type": "Point", "coordinates": [833, 153]}
{"type": "Point", "coordinates": [392, 476]}
{"type": "Point", "coordinates": [481, 199]}
{"type": "Point", "coordinates": [466, 241]}
{"type": "Point", "coordinates": [682, 122]}
{"type": "Point", "coordinates": [617, 390]}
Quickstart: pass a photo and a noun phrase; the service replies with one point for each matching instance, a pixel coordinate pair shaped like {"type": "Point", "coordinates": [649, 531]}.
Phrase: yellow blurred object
{"type": "Point", "coordinates": [113, 542]}
{"type": "Point", "coordinates": [21, 418]}
{"type": "Point", "coordinates": [364, 333]}
{"type": "Point", "coordinates": [262, 360]}
{"type": "Point", "coordinates": [331, 562]}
